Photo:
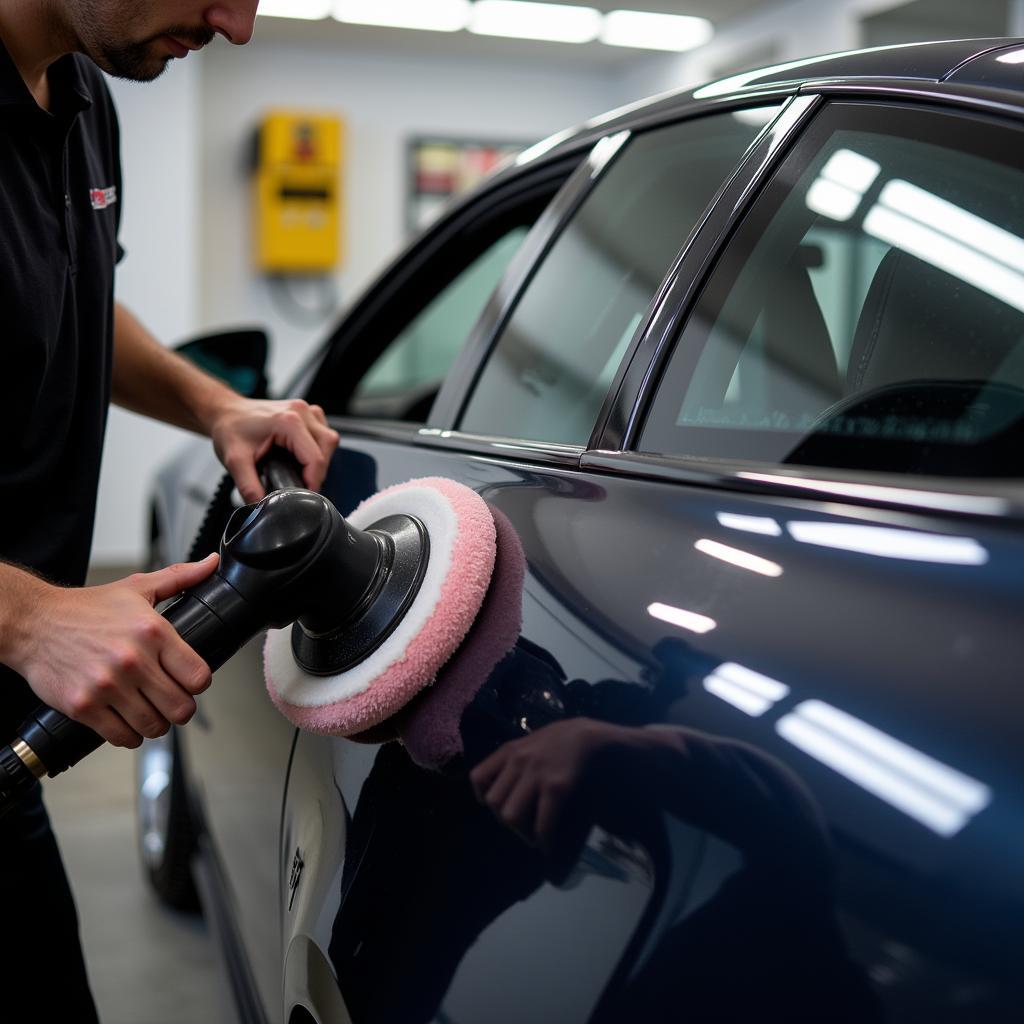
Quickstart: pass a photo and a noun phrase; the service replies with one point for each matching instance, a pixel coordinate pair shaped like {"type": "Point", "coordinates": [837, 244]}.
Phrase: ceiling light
{"type": "Point", "coordinates": [304, 10]}
{"type": "Point", "coordinates": [517, 19]}
{"type": "Point", "coordinates": [430, 15]}
{"type": "Point", "coordinates": [646, 31]}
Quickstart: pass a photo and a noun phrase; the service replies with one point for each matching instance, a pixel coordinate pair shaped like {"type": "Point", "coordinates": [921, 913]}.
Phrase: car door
{"type": "Point", "coordinates": [394, 349]}
{"type": "Point", "coordinates": [827, 460]}
{"type": "Point", "coordinates": [410, 900]}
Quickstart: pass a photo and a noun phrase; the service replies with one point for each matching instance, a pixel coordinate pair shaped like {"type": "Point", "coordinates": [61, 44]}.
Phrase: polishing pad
{"type": "Point", "coordinates": [461, 533]}
{"type": "Point", "coordinates": [429, 726]}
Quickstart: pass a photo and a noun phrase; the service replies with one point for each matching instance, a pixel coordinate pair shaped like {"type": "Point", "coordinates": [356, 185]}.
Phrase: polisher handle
{"type": "Point", "coordinates": [213, 618]}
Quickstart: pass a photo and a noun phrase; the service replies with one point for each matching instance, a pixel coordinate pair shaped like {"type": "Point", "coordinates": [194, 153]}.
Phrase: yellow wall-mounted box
{"type": "Point", "coordinates": [297, 192]}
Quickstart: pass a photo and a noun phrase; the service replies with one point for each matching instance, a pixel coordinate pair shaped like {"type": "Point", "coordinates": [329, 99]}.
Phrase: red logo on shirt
{"type": "Point", "coordinates": [101, 198]}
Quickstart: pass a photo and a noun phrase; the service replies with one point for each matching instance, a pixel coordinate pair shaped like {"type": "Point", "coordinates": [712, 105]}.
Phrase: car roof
{"type": "Point", "coordinates": [928, 62]}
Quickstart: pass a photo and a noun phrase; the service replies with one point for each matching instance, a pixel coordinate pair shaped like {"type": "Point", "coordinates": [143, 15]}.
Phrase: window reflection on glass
{"type": "Point", "coordinates": [557, 357]}
{"type": "Point", "coordinates": [870, 313]}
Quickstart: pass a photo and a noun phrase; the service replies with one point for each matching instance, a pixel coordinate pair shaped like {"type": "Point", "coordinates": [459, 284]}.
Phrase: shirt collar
{"type": "Point", "coordinates": [66, 81]}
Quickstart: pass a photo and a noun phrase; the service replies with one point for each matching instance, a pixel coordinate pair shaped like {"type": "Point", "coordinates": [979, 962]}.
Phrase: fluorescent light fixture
{"type": "Point", "coordinates": [430, 15]}
{"type": "Point", "coordinates": [909, 545]}
{"type": "Point", "coordinates": [947, 254]}
{"type": "Point", "coordinates": [855, 171]}
{"type": "Point", "coordinates": [932, 793]}
{"type": "Point", "coordinates": [954, 221]}
{"type": "Point", "coordinates": [304, 10]}
{"type": "Point", "coordinates": [832, 200]}
{"type": "Point", "coordinates": [1013, 57]}
{"type": "Point", "coordinates": [749, 691]}
{"type": "Point", "coordinates": [741, 559]}
{"type": "Point", "coordinates": [841, 186]}
{"type": "Point", "coordinates": [519, 19]}
{"type": "Point", "coordinates": [680, 617]}
{"type": "Point", "coordinates": [764, 525]}
{"type": "Point", "coordinates": [943, 501]}
{"type": "Point", "coordinates": [645, 31]}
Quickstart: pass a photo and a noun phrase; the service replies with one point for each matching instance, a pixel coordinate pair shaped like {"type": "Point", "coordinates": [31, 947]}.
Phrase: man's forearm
{"type": "Point", "coordinates": [152, 380]}
{"type": "Point", "coordinates": [20, 596]}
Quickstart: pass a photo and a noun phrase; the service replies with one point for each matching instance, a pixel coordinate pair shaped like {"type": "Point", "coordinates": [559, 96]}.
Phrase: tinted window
{"type": "Point", "coordinates": [403, 381]}
{"type": "Point", "coordinates": [870, 312]}
{"type": "Point", "coordinates": [549, 373]}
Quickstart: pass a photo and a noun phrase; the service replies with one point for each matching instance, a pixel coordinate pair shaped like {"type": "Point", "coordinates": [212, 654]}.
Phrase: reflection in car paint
{"type": "Point", "coordinates": [942, 502]}
{"type": "Point", "coordinates": [932, 793]}
{"type": "Point", "coordinates": [745, 689]}
{"type": "Point", "coordinates": [681, 617]}
{"type": "Point", "coordinates": [741, 559]}
{"type": "Point", "coordinates": [911, 545]}
{"type": "Point", "coordinates": [764, 525]}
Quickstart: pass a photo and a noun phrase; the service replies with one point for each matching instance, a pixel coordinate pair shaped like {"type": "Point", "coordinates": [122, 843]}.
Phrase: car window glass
{"type": "Point", "coordinates": [869, 312]}
{"type": "Point", "coordinates": [555, 359]}
{"type": "Point", "coordinates": [411, 368]}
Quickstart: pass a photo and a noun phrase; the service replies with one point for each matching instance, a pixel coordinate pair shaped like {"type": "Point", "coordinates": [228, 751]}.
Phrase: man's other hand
{"type": "Point", "coordinates": [104, 657]}
{"type": "Point", "coordinates": [247, 429]}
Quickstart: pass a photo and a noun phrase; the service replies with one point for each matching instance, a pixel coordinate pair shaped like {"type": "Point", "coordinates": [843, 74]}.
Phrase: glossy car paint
{"type": "Point", "coordinates": [843, 838]}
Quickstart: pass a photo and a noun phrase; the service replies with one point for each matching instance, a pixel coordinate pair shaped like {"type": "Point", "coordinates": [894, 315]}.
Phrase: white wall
{"type": "Point", "coordinates": [384, 99]}
{"type": "Point", "coordinates": [158, 279]}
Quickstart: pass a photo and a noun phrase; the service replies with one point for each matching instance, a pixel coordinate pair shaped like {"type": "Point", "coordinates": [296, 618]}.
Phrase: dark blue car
{"type": "Point", "coordinates": [743, 371]}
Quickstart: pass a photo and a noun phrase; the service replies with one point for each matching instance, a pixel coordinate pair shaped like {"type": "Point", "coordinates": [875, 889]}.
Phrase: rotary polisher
{"type": "Point", "coordinates": [376, 610]}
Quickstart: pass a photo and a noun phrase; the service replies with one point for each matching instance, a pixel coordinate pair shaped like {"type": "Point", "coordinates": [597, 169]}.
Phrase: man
{"type": "Point", "coordinates": [101, 655]}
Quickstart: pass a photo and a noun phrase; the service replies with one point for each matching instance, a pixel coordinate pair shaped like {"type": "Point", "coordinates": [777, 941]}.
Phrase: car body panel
{"type": "Point", "coordinates": [864, 648]}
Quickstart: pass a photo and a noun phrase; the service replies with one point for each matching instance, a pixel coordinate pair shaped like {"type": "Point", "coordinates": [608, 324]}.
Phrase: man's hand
{"type": "Point", "coordinates": [245, 430]}
{"type": "Point", "coordinates": [104, 657]}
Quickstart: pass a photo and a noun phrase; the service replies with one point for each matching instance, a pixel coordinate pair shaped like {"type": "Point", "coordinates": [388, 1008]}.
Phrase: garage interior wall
{"type": "Point", "coordinates": [186, 195]}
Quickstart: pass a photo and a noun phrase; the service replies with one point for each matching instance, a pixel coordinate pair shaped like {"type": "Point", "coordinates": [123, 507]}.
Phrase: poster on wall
{"type": "Point", "coordinates": [442, 168]}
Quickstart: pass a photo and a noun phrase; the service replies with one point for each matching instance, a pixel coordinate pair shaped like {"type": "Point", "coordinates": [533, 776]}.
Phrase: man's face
{"type": "Point", "coordinates": [136, 39]}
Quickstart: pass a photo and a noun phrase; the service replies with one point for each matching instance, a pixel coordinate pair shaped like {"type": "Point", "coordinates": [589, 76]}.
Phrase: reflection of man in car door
{"type": "Point", "coordinates": [767, 944]}
{"type": "Point", "coordinates": [101, 655]}
{"type": "Point", "coordinates": [426, 872]}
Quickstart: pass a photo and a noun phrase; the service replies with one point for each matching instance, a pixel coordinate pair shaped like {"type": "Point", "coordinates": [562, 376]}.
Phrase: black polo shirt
{"type": "Point", "coordinates": [60, 203]}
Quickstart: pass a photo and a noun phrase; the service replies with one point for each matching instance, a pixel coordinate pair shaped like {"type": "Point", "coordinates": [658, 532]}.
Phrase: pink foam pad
{"type": "Point", "coordinates": [462, 552]}
{"type": "Point", "coordinates": [429, 726]}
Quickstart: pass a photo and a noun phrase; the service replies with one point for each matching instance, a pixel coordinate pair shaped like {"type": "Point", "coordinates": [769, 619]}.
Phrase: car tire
{"type": "Point", "coordinates": [167, 837]}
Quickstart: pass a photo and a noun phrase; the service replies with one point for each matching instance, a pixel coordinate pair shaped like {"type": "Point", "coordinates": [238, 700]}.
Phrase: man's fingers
{"type": "Point", "coordinates": [486, 772]}
{"type": "Point", "coordinates": [519, 810]}
{"type": "Point", "coordinates": [140, 714]}
{"type": "Point", "coordinates": [184, 666]}
{"type": "Point", "coordinates": [240, 462]}
{"type": "Point", "coordinates": [164, 583]}
{"type": "Point", "coordinates": [113, 728]}
{"type": "Point", "coordinates": [497, 792]}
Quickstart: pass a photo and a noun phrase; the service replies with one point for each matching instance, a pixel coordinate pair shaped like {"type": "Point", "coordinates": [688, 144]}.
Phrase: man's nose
{"type": "Point", "coordinates": [233, 19]}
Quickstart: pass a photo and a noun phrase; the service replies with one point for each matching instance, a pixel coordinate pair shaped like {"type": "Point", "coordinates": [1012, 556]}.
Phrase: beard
{"type": "Point", "coordinates": [102, 34]}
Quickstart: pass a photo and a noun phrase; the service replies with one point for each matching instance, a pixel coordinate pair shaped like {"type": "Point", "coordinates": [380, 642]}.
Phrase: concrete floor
{"type": "Point", "coordinates": [147, 964]}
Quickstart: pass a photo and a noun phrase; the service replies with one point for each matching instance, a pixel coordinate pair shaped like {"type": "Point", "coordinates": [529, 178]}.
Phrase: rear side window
{"type": "Point", "coordinates": [869, 313]}
{"type": "Point", "coordinates": [556, 357]}
{"type": "Point", "coordinates": [402, 383]}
